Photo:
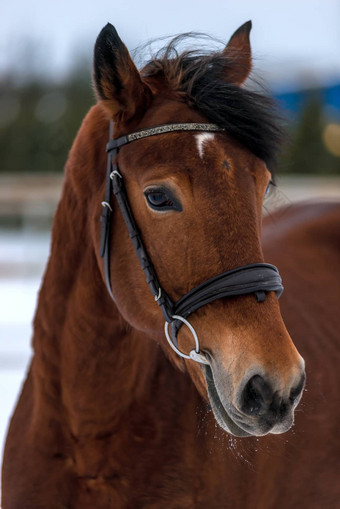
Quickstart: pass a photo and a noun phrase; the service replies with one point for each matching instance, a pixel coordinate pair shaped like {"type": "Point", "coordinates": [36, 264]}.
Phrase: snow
{"type": "Point", "coordinates": [22, 259]}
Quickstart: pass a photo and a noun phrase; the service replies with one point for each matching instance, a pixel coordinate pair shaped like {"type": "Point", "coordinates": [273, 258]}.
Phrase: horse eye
{"type": "Point", "coordinates": [268, 188]}
{"type": "Point", "coordinates": [161, 200]}
{"type": "Point", "coordinates": [158, 199]}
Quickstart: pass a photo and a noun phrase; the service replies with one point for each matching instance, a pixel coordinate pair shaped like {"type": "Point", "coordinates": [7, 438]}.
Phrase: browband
{"type": "Point", "coordinates": [160, 129]}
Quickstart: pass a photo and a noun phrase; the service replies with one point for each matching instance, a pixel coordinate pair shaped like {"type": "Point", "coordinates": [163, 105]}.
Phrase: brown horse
{"type": "Point", "coordinates": [110, 416]}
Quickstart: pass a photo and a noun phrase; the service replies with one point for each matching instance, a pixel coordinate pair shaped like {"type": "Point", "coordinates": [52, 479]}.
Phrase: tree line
{"type": "Point", "coordinates": [39, 118]}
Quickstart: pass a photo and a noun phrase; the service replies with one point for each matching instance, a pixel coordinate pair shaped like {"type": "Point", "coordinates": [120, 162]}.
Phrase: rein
{"type": "Point", "coordinates": [257, 278]}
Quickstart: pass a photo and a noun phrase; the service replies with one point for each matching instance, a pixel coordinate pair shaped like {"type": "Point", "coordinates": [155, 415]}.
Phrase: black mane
{"type": "Point", "coordinates": [202, 80]}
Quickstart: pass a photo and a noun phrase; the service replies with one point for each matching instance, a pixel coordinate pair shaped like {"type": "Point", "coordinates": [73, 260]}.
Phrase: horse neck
{"type": "Point", "coordinates": [87, 358]}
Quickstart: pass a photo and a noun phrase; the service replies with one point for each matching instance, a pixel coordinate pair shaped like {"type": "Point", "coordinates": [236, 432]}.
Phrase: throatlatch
{"type": "Point", "coordinates": [257, 279]}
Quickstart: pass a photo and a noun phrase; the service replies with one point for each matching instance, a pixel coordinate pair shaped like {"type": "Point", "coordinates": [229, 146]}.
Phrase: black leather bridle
{"type": "Point", "coordinates": [257, 278]}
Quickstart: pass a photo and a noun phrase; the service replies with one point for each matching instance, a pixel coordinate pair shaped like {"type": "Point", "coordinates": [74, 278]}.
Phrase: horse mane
{"type": "Point", "coordinates": [201, 79]}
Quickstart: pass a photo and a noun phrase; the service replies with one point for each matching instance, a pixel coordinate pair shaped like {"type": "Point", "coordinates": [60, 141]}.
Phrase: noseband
{"type": "Point", "coordinates": [257, 278]}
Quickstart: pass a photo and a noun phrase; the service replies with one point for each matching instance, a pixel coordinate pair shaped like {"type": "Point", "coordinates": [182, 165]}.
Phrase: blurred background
{"type": "Point", "coordinates": [45, 91]}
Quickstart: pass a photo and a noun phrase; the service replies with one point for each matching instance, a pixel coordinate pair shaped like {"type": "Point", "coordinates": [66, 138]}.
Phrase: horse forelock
{"type": "Point", "coordinates": [204, 81]}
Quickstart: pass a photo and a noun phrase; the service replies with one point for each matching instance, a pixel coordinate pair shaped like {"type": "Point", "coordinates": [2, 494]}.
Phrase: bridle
{"type": "Point", "coordinates": [257, 278]}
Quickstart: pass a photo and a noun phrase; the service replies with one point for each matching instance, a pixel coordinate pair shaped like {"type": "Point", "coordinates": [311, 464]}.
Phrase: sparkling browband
{"type": "Point", "coordinates": [162, 129]}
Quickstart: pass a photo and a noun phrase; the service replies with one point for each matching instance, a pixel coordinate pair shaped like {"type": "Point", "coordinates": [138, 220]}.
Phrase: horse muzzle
{"type": "Point", "coordinates": [257, 407]}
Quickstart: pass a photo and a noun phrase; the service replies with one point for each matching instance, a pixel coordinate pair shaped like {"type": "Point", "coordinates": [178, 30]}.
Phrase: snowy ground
{"type": "Point", "coordinates": [22, 260]}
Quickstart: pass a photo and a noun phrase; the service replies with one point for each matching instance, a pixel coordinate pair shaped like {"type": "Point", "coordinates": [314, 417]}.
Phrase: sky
{"type": "Point", "coordinates": [291, 39]}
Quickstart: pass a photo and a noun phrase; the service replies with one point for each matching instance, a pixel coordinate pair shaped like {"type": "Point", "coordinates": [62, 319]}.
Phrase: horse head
{"type": "Point", "coordinates": [197, 200]}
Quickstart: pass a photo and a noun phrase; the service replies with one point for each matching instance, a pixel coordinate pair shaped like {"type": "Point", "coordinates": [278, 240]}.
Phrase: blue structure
{"type": "Point", "coordinates": [293, 102]}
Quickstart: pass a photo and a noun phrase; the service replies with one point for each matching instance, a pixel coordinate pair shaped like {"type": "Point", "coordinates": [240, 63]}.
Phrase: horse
{"type": "Point", "coordinates": [118, 412]}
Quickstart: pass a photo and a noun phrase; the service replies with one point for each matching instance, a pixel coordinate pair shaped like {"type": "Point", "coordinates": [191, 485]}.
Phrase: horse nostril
{"type": "Point", "coordinates": [295, 393]}
{"type": "Point", "coordinates": [259, 398]}
{"type": "Point", "coordinates": [256, 396]}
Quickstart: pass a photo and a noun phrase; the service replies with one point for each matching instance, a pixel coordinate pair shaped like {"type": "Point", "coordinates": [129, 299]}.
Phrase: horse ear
{"type": "Point", "coordinates": [238, 52]}
{"type": "Point", "coordinates": [117, 82]}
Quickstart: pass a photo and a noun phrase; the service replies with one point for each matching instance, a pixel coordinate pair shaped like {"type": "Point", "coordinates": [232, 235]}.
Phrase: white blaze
{"type": "Point", "coordinates": [201, 139]}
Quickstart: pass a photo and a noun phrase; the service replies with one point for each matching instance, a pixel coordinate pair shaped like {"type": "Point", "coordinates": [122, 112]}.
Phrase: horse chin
{"type": "Point", "coordinates": [221, 415]}
{"type": "Point", "coordinates": [225, 419]}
